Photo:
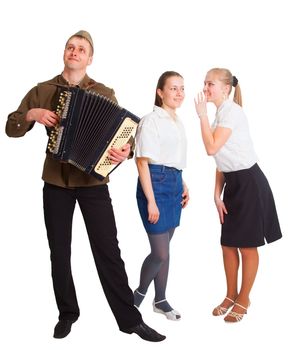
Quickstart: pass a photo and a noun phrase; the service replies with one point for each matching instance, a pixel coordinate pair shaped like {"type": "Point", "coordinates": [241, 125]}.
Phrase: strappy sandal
{"type": "Point", "coordinates": [221, 310]}
{"type": "Point", "coordinates": [236, 316]}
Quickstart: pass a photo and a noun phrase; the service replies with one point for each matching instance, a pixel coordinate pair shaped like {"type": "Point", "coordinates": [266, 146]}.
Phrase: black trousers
{"type": "Point", "coordinates": [95, 203]}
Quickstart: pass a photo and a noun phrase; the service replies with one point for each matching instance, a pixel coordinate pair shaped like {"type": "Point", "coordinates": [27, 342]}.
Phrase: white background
{"type": "Point", "coordinates": [135, 42]}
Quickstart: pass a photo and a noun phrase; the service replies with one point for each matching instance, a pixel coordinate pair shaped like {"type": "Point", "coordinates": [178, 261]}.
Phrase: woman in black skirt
{"type": "Point", "coordinates": [247, 209]}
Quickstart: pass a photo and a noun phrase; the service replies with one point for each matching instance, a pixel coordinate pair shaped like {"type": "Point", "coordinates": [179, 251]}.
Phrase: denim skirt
{"type": "Point", "coordinates": [167, 186]}
{"type": "Point", "coordinates": [252, 217]}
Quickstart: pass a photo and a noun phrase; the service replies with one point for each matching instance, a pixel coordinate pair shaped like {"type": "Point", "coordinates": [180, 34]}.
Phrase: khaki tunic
{"type": "Point", "coordinates": [44, 95]}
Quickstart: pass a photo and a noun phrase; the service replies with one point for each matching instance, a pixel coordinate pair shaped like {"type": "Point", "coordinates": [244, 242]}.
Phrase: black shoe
{"type": "Point", "coordinates": [145, 332]}
{"type": "Point", "coordinates": [62, 328]}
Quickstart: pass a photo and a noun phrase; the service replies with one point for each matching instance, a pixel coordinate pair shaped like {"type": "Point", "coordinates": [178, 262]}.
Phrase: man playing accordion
{"type": "Point", "coordinates": [64, 185]}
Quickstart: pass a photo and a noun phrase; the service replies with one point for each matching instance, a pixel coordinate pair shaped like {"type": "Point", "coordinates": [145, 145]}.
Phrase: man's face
{"type": "Point", "coordinates": [77, 54]}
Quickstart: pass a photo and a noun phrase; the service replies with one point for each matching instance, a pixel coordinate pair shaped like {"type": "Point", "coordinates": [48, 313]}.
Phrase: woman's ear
{"type": "Point", "coordinates": [159, 93]}
{"type": "Point", "coordinates": [227, 89]}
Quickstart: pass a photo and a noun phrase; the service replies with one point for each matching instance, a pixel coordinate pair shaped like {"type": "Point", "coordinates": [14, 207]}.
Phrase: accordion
{"type": "Point", "coordinates": [90, 124]}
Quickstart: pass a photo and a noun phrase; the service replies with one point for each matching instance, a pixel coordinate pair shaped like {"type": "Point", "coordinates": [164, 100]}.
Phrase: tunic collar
{"type": "Point", "coordinates": [83, 84]}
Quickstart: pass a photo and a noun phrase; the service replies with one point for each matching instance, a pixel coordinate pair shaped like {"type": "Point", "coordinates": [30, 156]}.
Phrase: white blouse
{"type": "Point", "coordinates": [162, 139]}
{"type": "Point", "coordinates": [238, 152]}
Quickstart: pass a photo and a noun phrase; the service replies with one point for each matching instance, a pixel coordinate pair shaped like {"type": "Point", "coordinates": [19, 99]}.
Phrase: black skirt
{"type": "Point", "coordinates": [252, 217]}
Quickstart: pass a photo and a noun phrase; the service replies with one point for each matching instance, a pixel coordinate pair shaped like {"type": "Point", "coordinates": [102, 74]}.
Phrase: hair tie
{"type": "Point", "coordinates": [235, 81]}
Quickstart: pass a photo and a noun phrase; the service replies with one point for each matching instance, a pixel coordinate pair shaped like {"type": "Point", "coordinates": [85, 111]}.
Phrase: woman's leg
{"type": "Point", "coordinates": [153, 263]}
{"type": "Point", "coordinates": [160, 281]}
{"type": "Point", "coordinates": [250, 260]}
{"type": "Point", "coordinates": [231, 266]}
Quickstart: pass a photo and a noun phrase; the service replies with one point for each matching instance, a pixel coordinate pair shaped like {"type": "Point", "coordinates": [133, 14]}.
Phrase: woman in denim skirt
{"type": "Point", "coordinates": [161, 192]}
{"type": "Point", "coordinates": [247, 210]}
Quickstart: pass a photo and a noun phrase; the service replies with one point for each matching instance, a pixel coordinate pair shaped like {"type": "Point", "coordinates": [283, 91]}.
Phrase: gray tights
{"type": "Point", "coordinates": [155, 267]}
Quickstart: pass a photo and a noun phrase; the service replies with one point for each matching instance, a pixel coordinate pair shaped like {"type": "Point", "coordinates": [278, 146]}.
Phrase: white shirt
{"type": "Point", "coordinates": [238, 152]}
{"type": "Point", "coordinates": [162, 139]}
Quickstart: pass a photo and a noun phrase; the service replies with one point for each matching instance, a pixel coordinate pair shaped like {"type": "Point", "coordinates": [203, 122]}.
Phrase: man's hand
{"type": "Point", "coordinates": [119, 155]}
{"type": "Point", "coordinates": [42, 116]}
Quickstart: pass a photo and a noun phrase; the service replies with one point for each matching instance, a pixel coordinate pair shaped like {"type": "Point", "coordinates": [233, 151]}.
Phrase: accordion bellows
{"type": "Point", "coordinates": [90, 124]}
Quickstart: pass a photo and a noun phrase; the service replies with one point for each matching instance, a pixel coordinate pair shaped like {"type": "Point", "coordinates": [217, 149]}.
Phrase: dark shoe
{"type": "Point", "coordinates": [145, 332]}
{"type": "Point", "coordinates": [62, 328]}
